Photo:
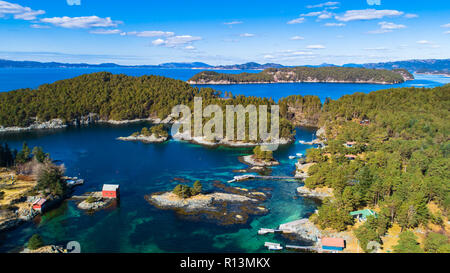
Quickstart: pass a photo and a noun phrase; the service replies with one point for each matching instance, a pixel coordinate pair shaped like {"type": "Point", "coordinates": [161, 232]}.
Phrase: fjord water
{"type": "Point", "coordinates": [93, 153]}
{"type": "Point", "coordinates": [15, 78]}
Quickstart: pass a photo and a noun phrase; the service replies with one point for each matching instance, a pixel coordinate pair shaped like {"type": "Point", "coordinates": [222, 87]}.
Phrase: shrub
{"type": "Point", "coordinates": [35, 242]}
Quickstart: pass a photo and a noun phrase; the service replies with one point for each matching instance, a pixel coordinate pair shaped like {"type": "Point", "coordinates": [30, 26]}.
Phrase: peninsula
{"type": "Point", "coordinates": [306, 74]}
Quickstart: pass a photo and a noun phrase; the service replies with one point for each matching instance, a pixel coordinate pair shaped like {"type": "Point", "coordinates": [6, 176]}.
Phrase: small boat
{"type": "Point", "coordinates": [273, 246]}
{"type": "Point", "coordinates": [299, 154]}
{"type": "Point", "coordinates": [291, 157]}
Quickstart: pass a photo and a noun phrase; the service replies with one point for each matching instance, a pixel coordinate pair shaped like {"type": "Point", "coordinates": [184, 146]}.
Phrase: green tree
{"type": "Point", "coordinates": [435, 241]}
{"type": "Point", "coordinates": [408, 243]}
{"type": "Point", "coordinates": [50, 179]}
{"type": "Point", "coordinates": [24, 155]}
{"type": "Point", "coordinates": [314, 155]}
{"type": "Point", "coordinates": [183, 191]}
{"type": "Point", "coordinates": [39, 154]}
{"type": "Point", "coordinates": [198, 188]}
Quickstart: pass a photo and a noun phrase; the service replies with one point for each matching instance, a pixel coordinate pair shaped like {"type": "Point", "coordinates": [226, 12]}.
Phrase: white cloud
{"type": "Point", "coordinates": [296, 38]}
{"type": "Point", "coordinates": [150, 33]}
{"type": "Point", "coordinates": [247, 35]}
{"type": "Point", "coordinates": [424, 42]}
{"type": "Point", "coordinates": [334, 25]}
{"type": "Point", "coordinates": [190, 47]}
{"type": "Point", "coordinates": [81, 22]}
{"type": "Point", "coordinates": [379, 31]}
{"type": "Point", "coordinates": [327, 4]}
{"type": "Point", "coordinates": [38, 26]}
{"type": "Point", "coordinates": [18, 11]}
{"type": "Point", "coordinates": [296, 21]}
{"type": "Point", "coordinates": [387, 25]}
{"type": "Point", "coordinates": [376, 48]}
{"type": "Point", "coordinates": [233, 23]}
{"type": "Point", "coordinates": [73, 2]}
{"type": "Point", "coordinates": [315, 47]}
{"type": "Point", "coordinates": [106, 31]}
{"type": "Point", "coordinates": [176, 41]}
{"type": "Point", "coordinates": [319, 14]}
{"type": "Point", "coordinates": [367, 14]}
{"type": "Point", "coordinates": [447, 32]}
{"type": "Point", "coordinates": [411, 15]}
{"type": "Point", "coordinates": [269, 56]}
{"type": "Point", "coordinates": [446, 25]}
{"type": "Point", "coordinates": [158, 42]}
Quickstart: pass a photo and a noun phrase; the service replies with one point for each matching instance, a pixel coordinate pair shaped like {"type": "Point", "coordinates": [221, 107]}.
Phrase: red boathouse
{"type": "Point", "coordinates": [39, 204]}
{"type": "Point", "coordinates": [110, 191]}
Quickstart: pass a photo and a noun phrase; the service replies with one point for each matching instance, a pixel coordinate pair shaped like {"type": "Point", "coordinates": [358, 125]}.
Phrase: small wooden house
{"type": "Point", "coordinates": [39, 204]}
{"type": "Point", "coordinates": [333, 244]}
{"type": "Point", "coordinates": [362, 215]}
{"type": "Point", "coordinates": [110, 191]}
{"type": "Point", "coordinates": [351, 157]}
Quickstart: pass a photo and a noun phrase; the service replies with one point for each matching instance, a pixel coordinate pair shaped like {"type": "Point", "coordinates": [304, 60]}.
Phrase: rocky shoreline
{"type": "Point", "coordinates": [97, 203]}
{"type": "Point", "coordinates": [146, 139]}
{"type": "Point", "coordinates": [92, 118]}
{"type": "Point", "coordinates": [226, 142]}
{"type": "Point", "coordinates": [303, 228]}
{"type": "Point", "coordinates": [249, 160]}
{"type": "Point", "coordinates": [319, 193]}
{"type": "Point", "coordinates": [223, 208]}
{"type": "Point", "coordinates": [205, 82]}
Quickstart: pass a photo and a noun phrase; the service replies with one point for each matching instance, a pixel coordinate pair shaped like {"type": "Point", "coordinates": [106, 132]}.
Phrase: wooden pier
{"type": "Point", "coordinates": [264, 231]}
{"type": "Point", "coordinates": [261, 177]}
{"type": "Point", "coordinates": [309, 248]}
{"type": "Point", "coordinates": [273, 246]}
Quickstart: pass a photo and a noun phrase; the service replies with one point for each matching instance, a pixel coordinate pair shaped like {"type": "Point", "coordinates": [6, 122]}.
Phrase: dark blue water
{"type": "Point", "coordinates": [15, 78]}
{"type": "Point", "coordinates": [94, 154]}
{"type": "Point", "coordinates": [136, 226]}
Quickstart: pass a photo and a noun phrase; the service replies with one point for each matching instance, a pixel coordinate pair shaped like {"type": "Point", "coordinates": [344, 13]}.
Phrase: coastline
{"type": "Point", "coordinates": [91, 119]}
{"type": "Point", "coordinates": [274, 82]}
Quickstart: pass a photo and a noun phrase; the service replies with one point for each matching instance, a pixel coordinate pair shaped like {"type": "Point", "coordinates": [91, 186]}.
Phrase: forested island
{"type": "Point", "coordinates": [105, 97]}
{"type": "Point", "coordinates": [306, 74]}
{"type": "Point", "coordinates": [387, 151]}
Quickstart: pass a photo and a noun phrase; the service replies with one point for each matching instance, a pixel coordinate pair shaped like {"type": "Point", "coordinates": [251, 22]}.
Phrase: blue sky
{"type": "Point", "coordinates": [224, 32]}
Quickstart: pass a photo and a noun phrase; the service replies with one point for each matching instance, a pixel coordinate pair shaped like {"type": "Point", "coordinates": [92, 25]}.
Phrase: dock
{"type": "Point", "coordinates": [273, 246]}
{"type": "Point", "coordinates": [264, 231]}
{"type": "Point", "coordinates": [261, 177]}
{"type": "Point", "coordinates": [309, 248]}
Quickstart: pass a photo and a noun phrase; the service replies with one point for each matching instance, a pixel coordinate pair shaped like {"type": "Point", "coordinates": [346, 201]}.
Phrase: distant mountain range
{"type": "Point", "coordinates": [421, 66]}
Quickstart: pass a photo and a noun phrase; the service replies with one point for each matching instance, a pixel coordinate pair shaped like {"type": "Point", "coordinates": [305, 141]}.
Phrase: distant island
{"type": "Point", "coordinates": [306, 74]}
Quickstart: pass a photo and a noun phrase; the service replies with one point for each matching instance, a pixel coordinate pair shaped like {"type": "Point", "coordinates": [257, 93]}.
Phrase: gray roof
{"type": "Point", "coordinates": [108, 187]}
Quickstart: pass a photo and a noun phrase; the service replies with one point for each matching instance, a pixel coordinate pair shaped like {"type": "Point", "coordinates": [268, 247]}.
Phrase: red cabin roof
{"type": "Point", "coordinates": [333, 242]}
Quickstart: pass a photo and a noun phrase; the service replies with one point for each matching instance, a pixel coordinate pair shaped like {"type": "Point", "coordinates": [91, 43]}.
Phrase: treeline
{"type": "Point", "coordinates": [301, 110]}
{"type": "Point", "coordinates": [305, 74]}
{"type": "Point", "coordinates": [113, 97]}
{"type": "Point", "coordinates": [402, 159]}
{"type": "Point", "coordinates": [10, 158]}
